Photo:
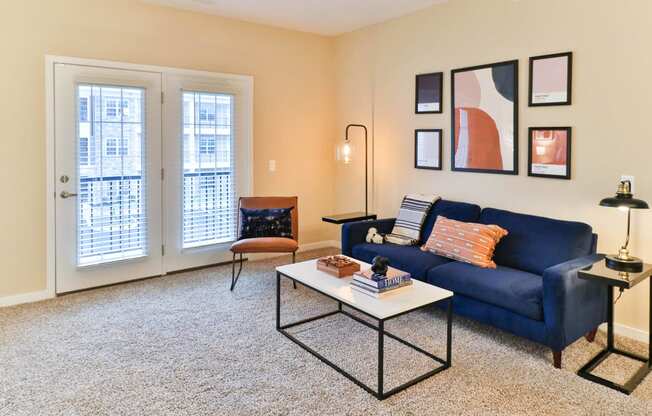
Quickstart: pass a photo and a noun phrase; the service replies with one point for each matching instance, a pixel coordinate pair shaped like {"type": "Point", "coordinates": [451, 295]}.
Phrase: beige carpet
{"type": "Point", "coordinates": [185, 345]}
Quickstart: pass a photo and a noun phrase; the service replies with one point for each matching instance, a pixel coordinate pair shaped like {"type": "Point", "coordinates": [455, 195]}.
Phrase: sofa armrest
{"type": "Point", "coordinates": [355, 232]}
{"type": "Point", "coordinates": [572, 306]}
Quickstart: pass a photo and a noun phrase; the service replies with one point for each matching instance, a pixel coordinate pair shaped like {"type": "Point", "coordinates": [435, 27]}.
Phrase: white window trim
{"type": "Point", "coordinates": [50, 62]}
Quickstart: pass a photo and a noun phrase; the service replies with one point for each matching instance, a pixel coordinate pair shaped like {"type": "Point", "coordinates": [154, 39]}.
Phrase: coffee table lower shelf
{"type": "Point", "coordinates": [380, 328]}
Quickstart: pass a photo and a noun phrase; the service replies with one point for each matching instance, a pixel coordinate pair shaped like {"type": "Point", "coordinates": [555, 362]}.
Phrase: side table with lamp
{"type": "Point", "coordinates": [621, 271]}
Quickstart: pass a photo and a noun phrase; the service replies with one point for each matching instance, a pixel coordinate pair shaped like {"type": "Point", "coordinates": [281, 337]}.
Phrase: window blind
{"type": "Point", "coordinates": [209, 189]}
{"type": "Point", "coordinates": [112, 187]}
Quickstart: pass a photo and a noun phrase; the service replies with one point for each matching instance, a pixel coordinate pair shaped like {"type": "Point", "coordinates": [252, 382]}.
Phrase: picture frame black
{"type": "Point", "coordinates": [438, 79]}
{"type": "Point", "coordinates": [515, 169]}
{"type": "Point", "coordinates": [569, 80]}
{"type": "Point", "coordinates": [439, 145]}
{"type": "Point", "coordinates": [569, 159]}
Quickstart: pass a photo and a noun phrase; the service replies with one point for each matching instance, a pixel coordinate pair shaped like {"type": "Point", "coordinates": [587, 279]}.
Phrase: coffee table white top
{"type": "Point", "coordinates": [417, 295]}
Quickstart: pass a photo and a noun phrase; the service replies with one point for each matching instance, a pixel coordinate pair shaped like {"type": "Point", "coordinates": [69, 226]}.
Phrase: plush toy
{"type": "Point", "coordinates": [374, 237]}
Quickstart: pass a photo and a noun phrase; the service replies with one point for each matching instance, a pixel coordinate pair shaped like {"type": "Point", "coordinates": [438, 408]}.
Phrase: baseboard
{"type": "Point", "coordinates": [628, 332]}
{"type": "Point", "coordinates": [25, 298]}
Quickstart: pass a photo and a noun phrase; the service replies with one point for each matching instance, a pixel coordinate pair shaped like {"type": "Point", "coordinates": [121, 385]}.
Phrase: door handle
{"type": "Point", "coordinates": [66, 194]}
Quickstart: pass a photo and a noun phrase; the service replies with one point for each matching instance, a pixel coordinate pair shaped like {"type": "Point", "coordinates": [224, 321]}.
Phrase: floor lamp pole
{"type": "Point", "coordinates": [366, 161]}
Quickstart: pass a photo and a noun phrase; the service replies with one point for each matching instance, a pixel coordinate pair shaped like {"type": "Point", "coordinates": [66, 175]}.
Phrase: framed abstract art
{"type": "Point", "coordinates": [484, 133]}
{"type": "Point", "coordinates": [550, 79]}
{"type": "Point", "coordinates": [428, 93]}
{"type": "Point", "coordinates": [549, 152]}
{"type": "Point", "coordinates": [427, 149]}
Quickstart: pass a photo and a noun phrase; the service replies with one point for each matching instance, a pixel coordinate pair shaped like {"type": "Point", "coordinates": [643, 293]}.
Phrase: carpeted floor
{"type": "Point", "coordinates": [185, 345]}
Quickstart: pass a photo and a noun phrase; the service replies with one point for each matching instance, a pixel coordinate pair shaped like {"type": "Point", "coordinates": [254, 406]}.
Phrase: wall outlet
{"type": "Point", "coordinates": [629, 178]}
{"type": "Point", "coordinates": [272, 165]}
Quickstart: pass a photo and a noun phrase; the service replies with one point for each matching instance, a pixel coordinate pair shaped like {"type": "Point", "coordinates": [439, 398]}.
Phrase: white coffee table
{"type": "Point", "coordinates": [419, 295]}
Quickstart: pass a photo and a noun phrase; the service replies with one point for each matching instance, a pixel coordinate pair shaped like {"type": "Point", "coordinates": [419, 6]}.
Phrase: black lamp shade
{"type": "Point", "coordinates": [624, 201]}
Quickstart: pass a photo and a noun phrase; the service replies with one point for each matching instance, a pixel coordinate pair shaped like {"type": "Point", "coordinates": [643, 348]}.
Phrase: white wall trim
{"type": "Point", "coordinates": [26, 298]}
{"type": "Point", "coordinates": [628, 332]}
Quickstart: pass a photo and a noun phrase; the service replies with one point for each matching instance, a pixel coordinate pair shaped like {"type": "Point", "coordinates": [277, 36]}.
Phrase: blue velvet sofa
{"type": "Point", "coordinates": [534, 292]}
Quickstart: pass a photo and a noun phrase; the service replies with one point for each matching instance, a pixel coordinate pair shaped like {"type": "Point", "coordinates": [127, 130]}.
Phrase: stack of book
{"type": "Point", "coordinates": [380, 286]}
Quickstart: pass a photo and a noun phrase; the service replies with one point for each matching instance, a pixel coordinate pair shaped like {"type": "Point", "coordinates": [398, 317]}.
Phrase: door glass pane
{"type": "Point", "coordinates": [209, 205]}
{"type": "Point", "coordinates": [111, 209]}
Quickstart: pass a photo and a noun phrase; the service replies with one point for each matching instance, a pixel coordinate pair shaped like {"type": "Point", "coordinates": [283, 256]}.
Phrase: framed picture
{"type": "Point", "coordinates": [550, 79]}
{"type": "Point", "coordinates": [549, 152]}
{"type": "Point", "coordinates": [427, 149]}
{"type": "Point", "coordinates": [428, 93]}
{"type": "Point", "coordinates": [484, 134]}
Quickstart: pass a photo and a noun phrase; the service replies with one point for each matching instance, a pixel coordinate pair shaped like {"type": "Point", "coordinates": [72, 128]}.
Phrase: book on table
{"type": "Point", "coordinates": [379, 286]}
{"type": "Point", "coordinates": [380, 294]}
{"type": "Point", "coordinates": [393, 278]}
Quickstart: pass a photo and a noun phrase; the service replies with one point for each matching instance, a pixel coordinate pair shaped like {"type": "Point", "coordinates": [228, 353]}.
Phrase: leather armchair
{"type": "Point", "coordinates": [266, 244]}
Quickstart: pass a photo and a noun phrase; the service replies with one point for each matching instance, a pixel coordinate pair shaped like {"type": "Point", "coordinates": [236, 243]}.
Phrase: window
{"type": "Point", "coordinates": [224, 113]}
{"type": "Point", "coordinates": [206, 144]}
{"type": "Point", "coordinates": [116, 108]}
{"type": "Point", "coordinates": [84, 153]}
{"type": "Point", "coordinates": [206, 112]}
{"type": "Point", "coordinates": [209, 193]}
{"type": "Point", "coordinates": [83, 109]}
{"type": "Point", "coordinates": [112, 211]}
{"type": "Point", "coordinates": [111, 108]}
{"type": "Point", "coordinates": [116, 147]}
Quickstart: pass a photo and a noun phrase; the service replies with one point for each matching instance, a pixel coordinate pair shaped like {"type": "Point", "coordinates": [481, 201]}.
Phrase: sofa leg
{"type": "Point", "coordinates": [556, 359]}
{"type": "Point", "coordinates": [590, 336]}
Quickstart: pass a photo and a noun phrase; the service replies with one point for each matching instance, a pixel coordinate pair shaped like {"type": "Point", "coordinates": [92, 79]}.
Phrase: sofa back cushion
{"type": "Point", "coordinates": [536, 243]}
{"type": "Point", "coordinates": [460, 211]}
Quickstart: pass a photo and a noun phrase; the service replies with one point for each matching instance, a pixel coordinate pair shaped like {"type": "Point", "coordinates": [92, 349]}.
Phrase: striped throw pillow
{"type": "Point", "coordinates": [465, 241]}
{"type": "Point", "coordinates": [411, 215]}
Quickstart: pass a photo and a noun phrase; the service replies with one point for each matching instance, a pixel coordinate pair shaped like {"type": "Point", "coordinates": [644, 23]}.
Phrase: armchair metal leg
{"type": "Point", "coordinates": [294, 258]}
{"type": "Point", "coordinates": [234, 277]}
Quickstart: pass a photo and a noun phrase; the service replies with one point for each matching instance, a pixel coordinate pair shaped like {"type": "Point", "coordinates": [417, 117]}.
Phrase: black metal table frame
{"type": "Point", "coordinates": [643, 371]}
{"type": "Point", "coordinates": [380, 393]}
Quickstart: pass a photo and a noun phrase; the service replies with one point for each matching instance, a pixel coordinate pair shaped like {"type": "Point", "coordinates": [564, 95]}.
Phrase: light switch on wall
{"type": "Point", "coordinates": [629, 178]}
{"type": "Point", "coordinates": [272, 165]}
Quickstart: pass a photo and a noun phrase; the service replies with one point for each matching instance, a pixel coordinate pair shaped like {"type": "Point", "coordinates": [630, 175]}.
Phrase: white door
{"type": "Point", "coordinates": [207, 166]}
{"type": "Point", "coordinates": [108, 176]}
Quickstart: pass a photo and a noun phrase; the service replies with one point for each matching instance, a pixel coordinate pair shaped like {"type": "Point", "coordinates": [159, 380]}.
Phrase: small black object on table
{"type": "Point", "coordinates": [349, 217]}
{"type": "Point", "coordinates": [623, 280]}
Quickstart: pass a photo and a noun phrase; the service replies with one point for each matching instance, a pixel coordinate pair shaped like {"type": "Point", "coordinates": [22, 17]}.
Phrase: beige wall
{"type": "Point", "coordinates": [308, 87]}
{"type": "Point", "coordinates": [294, 104]}
{"type": "Point", "coordinates": [610, 115]}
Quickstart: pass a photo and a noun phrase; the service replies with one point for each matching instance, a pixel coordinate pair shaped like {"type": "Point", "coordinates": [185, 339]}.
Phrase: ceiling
{"type": "Point", "coordinates": [325, 17]}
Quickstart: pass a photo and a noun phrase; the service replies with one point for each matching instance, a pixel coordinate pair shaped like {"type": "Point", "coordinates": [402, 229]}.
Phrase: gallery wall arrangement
{"type": "Point", "coordinates": [484, 118]}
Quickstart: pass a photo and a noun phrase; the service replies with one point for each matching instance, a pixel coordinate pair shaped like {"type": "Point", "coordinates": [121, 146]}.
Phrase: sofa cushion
{"type": "Point", "coordinates": [407, 258]}
{"type": "Point", "coordinates": [460, 211]}
{"type": "Point", "coordinates": [536, 243]}
{"type": "Point", "coordinates": [468, 242]}
{"type": "Point", "coordinates": [515, 290]}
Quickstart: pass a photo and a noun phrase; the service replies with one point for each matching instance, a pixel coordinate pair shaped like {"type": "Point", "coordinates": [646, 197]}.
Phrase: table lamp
{"type": "Point", "coordinates": [625, 201]}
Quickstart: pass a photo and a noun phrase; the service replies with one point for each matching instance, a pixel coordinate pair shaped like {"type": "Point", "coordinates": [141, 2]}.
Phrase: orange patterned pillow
{"type": "Point", "coordinates": [465, 241]}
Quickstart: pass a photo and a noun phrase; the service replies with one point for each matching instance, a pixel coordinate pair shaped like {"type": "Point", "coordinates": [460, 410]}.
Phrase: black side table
{"type": "Point", "coordinates": [622, 280]}
{"type": "Point", "coordinates": [349, 217]}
